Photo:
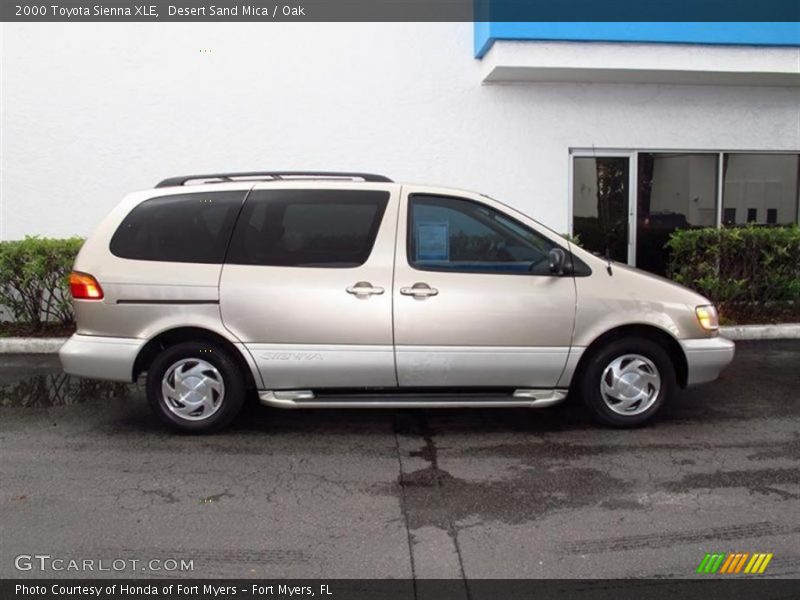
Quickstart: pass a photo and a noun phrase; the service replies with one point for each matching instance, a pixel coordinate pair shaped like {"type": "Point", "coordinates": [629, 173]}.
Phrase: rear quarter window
{"type": "Point", "coordinates": [190, 228]}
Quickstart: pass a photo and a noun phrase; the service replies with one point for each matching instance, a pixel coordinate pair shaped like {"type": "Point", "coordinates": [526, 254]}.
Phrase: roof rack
{"type": "Point", "coordinates": [272, 175]}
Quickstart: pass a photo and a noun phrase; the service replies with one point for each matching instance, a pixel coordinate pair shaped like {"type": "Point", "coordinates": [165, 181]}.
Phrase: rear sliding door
{"type": "Point", "coordinates": [307, 284]}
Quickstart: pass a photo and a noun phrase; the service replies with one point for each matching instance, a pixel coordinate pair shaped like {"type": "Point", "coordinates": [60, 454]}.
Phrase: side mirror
{"type": "Point", "coordinates": [558, 258]}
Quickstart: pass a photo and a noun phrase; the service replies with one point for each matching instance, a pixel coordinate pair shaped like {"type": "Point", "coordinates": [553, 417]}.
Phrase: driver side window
{"type": "Point", "coordinates": [453, 234]}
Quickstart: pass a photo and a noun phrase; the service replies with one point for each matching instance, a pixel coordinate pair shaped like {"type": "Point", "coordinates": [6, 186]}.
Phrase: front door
{"type": "Point", "coordinates": [475, 303]}
{"type": "Point", "coordinates": [307, 284]}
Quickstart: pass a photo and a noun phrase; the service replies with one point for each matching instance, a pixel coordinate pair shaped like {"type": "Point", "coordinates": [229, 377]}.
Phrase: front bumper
{"type": "Point", "coordinates": [707, 358]}
{"type": "Point", "coordinates": [100, 357]}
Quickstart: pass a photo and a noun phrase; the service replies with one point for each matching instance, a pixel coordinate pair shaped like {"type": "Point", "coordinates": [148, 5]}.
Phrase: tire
{"type": "Point", "coordinates": [195, 387]}
{"type": "Point", "coordinates": [626, 382]}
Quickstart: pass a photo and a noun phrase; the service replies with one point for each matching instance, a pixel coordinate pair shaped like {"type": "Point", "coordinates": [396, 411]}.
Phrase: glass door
{"type": "Point", "coordinates": [601, 208]}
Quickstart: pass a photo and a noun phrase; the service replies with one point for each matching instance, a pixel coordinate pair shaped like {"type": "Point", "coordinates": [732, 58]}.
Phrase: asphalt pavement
{"type": "Point", "coordinates": [88, 473]}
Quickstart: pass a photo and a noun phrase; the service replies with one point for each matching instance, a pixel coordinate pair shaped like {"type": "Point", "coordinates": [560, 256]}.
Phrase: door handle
{"type": "Point", "coordinates": [363, 289]}
{"type": "Point", "coordinates": [419, 290]}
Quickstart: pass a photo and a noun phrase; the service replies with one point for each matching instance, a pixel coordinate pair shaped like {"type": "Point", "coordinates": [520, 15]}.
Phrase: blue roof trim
{"type": "Point", "coordinates": [729, 33]}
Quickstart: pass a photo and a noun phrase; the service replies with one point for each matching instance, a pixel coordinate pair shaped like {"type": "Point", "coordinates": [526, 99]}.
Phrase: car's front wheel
{"type": "Point", "coordinates": [627, 381]}
{"type": "Point", "coordinates": [195, 387]}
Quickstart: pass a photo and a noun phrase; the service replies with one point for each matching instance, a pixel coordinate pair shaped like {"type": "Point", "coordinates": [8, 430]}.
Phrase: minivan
{"type": "Point", "coordinates": [347, 290]}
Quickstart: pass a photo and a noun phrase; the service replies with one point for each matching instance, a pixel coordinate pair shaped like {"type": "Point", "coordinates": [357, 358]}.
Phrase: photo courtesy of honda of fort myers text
{"type": "Point", "coordinates": [438, 300]}
{"type": "Point", "coordinates": [177, 590]}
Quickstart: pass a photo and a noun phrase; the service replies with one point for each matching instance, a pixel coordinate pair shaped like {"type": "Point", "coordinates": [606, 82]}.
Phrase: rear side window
{"type": "Point", "coordinates": [192, 228]}
{"type": "Point", "coordinates": [308, 228]}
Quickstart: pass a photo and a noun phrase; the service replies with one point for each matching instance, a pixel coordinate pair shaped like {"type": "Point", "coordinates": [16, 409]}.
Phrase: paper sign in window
{"type": "Point", "coordinates": [433, 241]}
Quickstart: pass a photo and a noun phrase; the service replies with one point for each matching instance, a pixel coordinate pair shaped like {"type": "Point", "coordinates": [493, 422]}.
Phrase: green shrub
{"type": "Point", "coordinates": [573, 239]}
{"type": "Point", "coordinates": [752, 273]}
{"type": "Point", "coordinates": [34, 279]}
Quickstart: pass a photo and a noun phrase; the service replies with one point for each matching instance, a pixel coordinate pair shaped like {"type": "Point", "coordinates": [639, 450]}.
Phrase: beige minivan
{"type": "Point", "coordinates": [317, 290]}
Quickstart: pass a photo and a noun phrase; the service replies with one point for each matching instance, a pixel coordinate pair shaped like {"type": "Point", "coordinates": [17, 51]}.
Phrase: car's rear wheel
{"type": "Point", "coordinates": [626, 382]}
{"type": "Point", "coordinates": [195, 387]}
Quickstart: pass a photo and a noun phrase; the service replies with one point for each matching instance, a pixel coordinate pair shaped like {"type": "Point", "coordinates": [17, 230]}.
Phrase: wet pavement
{"type": "Point", "coordinates": [87, 472]}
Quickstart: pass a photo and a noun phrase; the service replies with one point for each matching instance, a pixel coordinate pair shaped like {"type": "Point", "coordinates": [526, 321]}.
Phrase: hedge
{"type": "Point", "coordinates": [752, 273]}
{"type": "Point", "coordinates": [34, 279]}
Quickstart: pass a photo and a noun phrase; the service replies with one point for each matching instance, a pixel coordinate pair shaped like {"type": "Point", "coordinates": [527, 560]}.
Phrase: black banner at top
{"type": "Point", "coordinates": [402, 10]}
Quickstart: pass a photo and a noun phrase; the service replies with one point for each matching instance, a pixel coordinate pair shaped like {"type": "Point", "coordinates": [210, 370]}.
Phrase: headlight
{"type": "Point", "coordinates": [707, 315]}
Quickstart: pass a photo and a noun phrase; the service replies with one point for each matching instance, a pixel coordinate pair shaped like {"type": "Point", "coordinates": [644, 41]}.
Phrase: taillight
{"type": "Point", "coordinates": [84, 287]}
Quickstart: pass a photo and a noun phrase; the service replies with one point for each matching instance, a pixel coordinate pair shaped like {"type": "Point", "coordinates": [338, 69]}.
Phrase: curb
{"type": "Point", "coordinates": [21, 345]}
{"type": "Point", "coordinates": [786, 331]}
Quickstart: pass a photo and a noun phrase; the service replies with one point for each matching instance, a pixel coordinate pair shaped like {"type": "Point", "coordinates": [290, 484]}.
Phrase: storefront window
{"type": "Point", "coordinates": [615, 210]}
{"type": "Point", "coordinates": [760, 188]}
{"type": "Point", "coordinates": [675, 191]}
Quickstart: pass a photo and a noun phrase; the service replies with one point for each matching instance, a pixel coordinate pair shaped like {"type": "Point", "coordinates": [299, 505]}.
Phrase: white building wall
{"type": "Point", "coordinates": [90, 112]}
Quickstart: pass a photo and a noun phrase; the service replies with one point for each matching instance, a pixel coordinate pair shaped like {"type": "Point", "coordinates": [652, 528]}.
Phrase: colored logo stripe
{"type": "Point", "coordinates": [703, 563]}
{"type": "Point", "coordinates": [710, 563]}
{"type": "Point", "coordinates": [729, 563]}
{"type": "Point", "coordinates": [733, 563]}
{"type": "Point", "coordinates": [758, 564]}
{"type": "Point", "coordinates": [741, 562]}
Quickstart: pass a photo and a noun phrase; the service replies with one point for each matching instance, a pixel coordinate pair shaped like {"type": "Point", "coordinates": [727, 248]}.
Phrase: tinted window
{"type": "Point", "coordinates": [185, 228]}
{"type": "Point", "coordinates": [308, 228]}
{"type": "Point", "coordinates": [450, 234]}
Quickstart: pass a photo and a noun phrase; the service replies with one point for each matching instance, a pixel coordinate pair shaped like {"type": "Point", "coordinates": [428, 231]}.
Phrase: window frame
{"type": "Point", "coordinates": [373, 232]}
{"type": "Point", "coordinates": [409, 233]}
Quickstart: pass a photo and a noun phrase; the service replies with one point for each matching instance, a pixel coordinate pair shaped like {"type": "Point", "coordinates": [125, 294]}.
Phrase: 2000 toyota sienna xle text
{"type": "Point", "coordinates": [349, 290]}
